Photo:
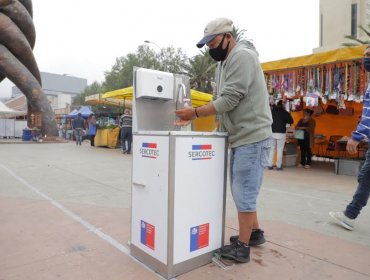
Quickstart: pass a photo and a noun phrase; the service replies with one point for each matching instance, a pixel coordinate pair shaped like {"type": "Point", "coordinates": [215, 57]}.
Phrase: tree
{"type": "Point", "coordinates": [201, 70]}
{"type": "Point", "coordinates": [94, 88]}
{"type": "Point", "coordinates": [121, 74]}
{"type": "Point", "coordinates": [356, 41]}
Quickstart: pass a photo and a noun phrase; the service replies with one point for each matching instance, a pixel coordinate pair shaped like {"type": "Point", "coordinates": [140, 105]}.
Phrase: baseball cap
{"type": "Point", "coordinates": [214, 28]}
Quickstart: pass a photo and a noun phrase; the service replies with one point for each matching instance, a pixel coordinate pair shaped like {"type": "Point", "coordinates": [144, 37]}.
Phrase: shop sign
{"type": "Point", "coordinates": [201, 152]}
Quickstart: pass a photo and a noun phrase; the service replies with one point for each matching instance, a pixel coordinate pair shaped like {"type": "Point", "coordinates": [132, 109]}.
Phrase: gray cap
{"type": "Point", "coordinates": [214, 28]}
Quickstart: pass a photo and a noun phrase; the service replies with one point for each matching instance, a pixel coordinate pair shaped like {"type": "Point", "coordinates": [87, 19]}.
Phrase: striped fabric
{"type": "Point", "coordinates": [363, 128]}
{"type": "Point", "coordinates": [125, 121]}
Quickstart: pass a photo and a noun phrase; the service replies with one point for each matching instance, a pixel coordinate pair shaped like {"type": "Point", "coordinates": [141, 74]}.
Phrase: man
{"type": "Point", "coordinates": [280, 119]}
{"type": "Point", "coordinates": [347, 218]}
{"type": "Point", "coordinates": [242, 104]}
{"type": "Point", "coordinates": [78, 126]}
{"type": "Point", "coordinates": [126, 131]}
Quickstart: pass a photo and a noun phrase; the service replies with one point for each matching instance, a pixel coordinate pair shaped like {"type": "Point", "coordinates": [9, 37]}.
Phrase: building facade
{"type": "Point", "coordinates": [339, 18]}
{"type": "Point", "coordinates": [59, 89]}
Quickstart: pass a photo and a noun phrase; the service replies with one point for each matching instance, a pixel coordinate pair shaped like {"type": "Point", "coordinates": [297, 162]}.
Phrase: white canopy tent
{"type": "Point", "coordinates": [6, 112]}
{"type": "Point", "coordinates": [9, 126]}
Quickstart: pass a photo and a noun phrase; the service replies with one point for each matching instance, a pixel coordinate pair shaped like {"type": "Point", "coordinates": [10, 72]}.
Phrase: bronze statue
{"type": "Point", "coordinates": [17, 63]}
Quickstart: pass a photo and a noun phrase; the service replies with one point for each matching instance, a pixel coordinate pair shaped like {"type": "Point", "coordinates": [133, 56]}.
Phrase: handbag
{"type": "Point", "coordinates": [299, 134]}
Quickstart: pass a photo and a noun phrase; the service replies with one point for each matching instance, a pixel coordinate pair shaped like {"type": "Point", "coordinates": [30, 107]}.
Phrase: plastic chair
{"type": "Point", "coordinates": [320, 145]}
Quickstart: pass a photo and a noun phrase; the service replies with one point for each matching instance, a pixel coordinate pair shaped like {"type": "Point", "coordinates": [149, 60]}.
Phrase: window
{"type": "Point", "coordinates": [354, 20]}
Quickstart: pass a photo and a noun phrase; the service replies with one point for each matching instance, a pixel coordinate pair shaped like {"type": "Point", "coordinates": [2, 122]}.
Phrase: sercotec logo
{"type": "Point", "coordinates": [201, 152]}
{"type": "Point", "coordinates": [149, 150]}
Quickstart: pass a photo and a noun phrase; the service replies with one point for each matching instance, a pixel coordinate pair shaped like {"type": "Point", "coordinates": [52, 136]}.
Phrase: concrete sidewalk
{"type": "Point", "coordinates": [65, 214]}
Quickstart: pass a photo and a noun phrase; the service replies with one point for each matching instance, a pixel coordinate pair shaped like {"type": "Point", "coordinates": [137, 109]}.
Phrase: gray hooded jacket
{"type": "Point", "coordinates": [241, 97]}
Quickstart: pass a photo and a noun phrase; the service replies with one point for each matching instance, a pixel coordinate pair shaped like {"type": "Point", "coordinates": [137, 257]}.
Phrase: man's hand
{"type": "Point", "coordinates": [181, 122]}
{"type": "Point", "coordinates": [352, 146]}
{"type": "Point", "coordinates": [186, 114]}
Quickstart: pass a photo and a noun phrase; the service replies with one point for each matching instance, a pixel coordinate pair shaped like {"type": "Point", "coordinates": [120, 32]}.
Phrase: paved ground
{"type": "Point", "coordinates": [65, 214]}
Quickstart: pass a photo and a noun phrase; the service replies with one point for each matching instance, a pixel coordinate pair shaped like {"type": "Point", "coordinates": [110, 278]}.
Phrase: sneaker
{"type": "Point", "coordinates": [343, 220]}
{"type": "Point", "coordinates": [300, 165]}
{"type": "Point", "coordinates": [307, 166]}
{"type": "Point", "coordinates": [237, 251]}
{"type": "Point", "coordinates": [279, 168]}
{"type": "Point", "coordinates": [270, 167]}
{"type": "Point", "coordinates": [257, 238]}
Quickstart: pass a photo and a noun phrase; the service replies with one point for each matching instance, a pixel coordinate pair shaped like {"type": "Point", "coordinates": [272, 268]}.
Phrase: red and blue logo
{"type": "Point", "coordinates": [201, 152]}
{"type": "Point", "coordinates": [199, 237]}
{"type": "Point", "coordinates": [147, 234]}
{"type": "Point", "coordinates": [149, 150]}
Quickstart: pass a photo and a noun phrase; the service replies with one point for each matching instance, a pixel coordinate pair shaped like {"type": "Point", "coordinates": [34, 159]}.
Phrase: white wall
{"type": "Point", "coordinates": [64, 100]}
{"type": "Point", "coordinates": [336, 22]}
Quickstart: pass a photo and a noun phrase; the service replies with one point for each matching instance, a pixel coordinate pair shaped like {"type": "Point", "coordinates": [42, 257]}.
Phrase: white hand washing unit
{"type": "Point", "coordinates": [178, 179]}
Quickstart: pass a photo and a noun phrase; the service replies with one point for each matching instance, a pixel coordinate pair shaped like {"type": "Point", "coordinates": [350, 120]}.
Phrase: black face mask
{"type": "Point", "coordinates": [219, 54]}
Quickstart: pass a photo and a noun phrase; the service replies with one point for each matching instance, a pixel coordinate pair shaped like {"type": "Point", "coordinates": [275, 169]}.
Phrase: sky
{"type": "Point", "coordinates": [83, 38]}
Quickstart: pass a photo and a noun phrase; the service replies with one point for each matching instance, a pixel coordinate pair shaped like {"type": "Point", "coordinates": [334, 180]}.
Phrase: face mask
{"type": "Point", "coordinates": [366, 62]}
{"type": "Point", "coordinates": [219, 54]}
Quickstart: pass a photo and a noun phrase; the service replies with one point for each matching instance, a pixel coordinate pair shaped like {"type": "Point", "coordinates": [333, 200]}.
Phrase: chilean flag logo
{"type": "Point", "coordinates": [199, 237]}
{"type": "Point", "coordinates": [147, 235]}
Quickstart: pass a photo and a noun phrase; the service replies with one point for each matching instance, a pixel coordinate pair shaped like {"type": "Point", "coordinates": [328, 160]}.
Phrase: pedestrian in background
{"type": "Point", "coordinates": [280, 119]}
{"type": "Point", "coordinates": [126, 131]}
{"type": "Point", "coordinates": [307, 124]}
{"type": "Point", "coordinates": [91, 132]}
{"type": "Point", "coordinates": [78, 125]}
{"type": "Point", "coordinates": [347, 218]}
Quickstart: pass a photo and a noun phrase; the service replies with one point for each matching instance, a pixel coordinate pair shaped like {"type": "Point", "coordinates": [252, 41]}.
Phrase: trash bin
{"type": "Point", "coordinates": [27, 135]}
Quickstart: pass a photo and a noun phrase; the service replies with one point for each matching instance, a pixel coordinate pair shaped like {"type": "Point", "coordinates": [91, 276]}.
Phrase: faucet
{"type": "Point", "coordinates": [182, 98]}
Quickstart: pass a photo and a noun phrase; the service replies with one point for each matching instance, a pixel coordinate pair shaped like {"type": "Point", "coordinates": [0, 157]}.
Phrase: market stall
{"type": "Point", "coordinates": [96, 99]}
{"type": "Point", "coordinates": [331, 83]}
{"type": "Point", "coordinates": [107, 137]}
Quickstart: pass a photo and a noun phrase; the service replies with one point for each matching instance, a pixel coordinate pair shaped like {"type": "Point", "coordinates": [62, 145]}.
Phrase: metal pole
{"type": "Point", "coordinates": [161, 53]}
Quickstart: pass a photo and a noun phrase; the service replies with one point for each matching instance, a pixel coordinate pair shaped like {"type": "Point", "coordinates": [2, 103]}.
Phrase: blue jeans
{"type": "Point", "coordinates": [78, 135]}
{"type": "Point", "coordinates": [126, 135]}
{"type": "Point", "coordinates": [362, 193]}
{"type": "Point", "coordinates": [247, 164]}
